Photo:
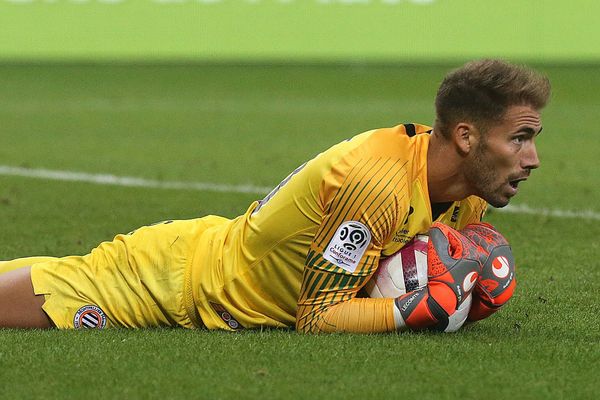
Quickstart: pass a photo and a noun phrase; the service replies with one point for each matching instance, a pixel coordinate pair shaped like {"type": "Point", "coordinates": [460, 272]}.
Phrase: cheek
{"type": "Point", "coordinates": [509, 162]}
{"type": "Point", "coordinates": [507, 158]}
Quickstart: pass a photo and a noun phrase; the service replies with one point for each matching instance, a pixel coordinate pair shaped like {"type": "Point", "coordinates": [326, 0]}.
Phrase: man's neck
{"type": "Point", "coordinates": [444, 178]}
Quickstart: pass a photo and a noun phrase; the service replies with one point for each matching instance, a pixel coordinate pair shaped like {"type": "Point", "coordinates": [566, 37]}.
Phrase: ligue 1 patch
{"type": "Point", "coordinates": [348, 245]}
{"type": "Point", "coordinates": [89, 317]}
{"type": "Point", "coordinates": [226, 316]}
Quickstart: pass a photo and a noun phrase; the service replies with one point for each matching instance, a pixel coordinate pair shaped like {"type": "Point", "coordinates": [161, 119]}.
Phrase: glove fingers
{"type": "Point", "coordinates": [443, 249]}
{"type": "Point", "coordinates": [497, 278]}
{"type": "Point", "coordinates": [484, 235]}
{"type": "Point", "coordinates": [451, 260]}
{"type": "Point", "coordinates": [446, 248]}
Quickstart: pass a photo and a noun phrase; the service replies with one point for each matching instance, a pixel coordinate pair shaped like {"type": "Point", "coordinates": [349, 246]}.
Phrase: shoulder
{"type": "Point", "coordinates": [382, 149]}
{"type": "Point", "coordinates": [395, 142]}
{"type": "Point", "coordinates": [370, 168]}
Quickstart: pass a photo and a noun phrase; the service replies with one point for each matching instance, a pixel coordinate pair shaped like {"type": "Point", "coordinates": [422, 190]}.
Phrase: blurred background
{"type": "Point", "coordinates": [243, 31]}
{"type": "Point", "coordinates": [241, 92]}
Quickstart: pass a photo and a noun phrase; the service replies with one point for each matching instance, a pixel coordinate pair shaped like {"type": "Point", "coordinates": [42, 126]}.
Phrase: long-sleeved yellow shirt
{"type": "Point", "coordinates": [301, 255]}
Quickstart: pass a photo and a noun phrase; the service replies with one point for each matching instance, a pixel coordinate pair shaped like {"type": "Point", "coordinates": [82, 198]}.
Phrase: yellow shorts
{"type": "Point", "coordinates": [137, 280]}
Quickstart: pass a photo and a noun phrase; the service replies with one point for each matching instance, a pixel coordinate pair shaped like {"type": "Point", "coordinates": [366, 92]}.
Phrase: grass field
{"type": "Point", "coordinates": [251, 125]}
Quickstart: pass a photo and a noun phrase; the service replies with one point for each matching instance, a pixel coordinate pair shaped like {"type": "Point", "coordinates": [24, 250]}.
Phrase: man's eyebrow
{"type": "Point", "coordinates": [530, 130]}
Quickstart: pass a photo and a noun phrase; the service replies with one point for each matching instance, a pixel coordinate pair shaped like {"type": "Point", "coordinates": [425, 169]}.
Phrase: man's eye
{"type": "Point", "coordinates": [518, 139]}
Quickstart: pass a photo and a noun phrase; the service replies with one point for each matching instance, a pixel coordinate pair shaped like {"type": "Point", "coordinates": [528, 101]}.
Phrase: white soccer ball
{"type": "Point", "coordinates": [402, 272]}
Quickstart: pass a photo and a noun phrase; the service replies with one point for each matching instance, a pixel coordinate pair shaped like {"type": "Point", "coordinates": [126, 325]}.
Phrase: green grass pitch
{"type": "Point", "coordinates": [252, 125]}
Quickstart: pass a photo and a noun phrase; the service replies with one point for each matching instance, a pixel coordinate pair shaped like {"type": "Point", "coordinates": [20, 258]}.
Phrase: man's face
{"type": "Point", "coordinates": [504, 156]}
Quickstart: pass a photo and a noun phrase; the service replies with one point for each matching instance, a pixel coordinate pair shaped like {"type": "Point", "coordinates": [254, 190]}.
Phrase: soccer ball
{"type": "Point", "coordinates": [402, 272]}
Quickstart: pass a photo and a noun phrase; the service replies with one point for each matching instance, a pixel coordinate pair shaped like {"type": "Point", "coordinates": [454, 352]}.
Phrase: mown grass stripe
{"type": "Point", "coordinates": [130, 181]}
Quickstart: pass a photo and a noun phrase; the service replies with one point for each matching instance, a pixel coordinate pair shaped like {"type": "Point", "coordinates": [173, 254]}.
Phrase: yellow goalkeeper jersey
{"type": "Point", "coordinates": [301, 255]}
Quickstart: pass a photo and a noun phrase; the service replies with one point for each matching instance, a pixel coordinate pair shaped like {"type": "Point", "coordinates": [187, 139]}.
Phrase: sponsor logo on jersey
{"type": "Point", "coordinates": [89, 317]}
{"type": "Point", "coordinates": [348, 245]}
{"type": "Point", "coordinates": [455, 212]}
{"type": "Point", "coordinates": [410, 211]}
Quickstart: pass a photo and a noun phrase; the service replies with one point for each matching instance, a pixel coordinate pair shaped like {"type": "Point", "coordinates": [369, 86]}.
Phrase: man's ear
{"type": "Point", "coordinates": [464, 136]}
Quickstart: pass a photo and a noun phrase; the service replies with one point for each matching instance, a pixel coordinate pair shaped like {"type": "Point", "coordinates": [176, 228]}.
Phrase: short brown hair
{"type": "Point", "coordinates": [481, 91]}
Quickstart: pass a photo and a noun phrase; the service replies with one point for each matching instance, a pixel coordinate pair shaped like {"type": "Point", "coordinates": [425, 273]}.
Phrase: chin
{"type": "Point", "coordinates": [497, 203]}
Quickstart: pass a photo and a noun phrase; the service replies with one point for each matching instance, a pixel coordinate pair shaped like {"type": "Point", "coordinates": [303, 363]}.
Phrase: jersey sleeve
{"type": "Point", "coordinates": [360, 209]}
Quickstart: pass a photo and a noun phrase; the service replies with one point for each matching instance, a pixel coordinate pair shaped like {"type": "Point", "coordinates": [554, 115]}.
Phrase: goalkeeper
{"type": "Point", "coordinates": [300, 256]}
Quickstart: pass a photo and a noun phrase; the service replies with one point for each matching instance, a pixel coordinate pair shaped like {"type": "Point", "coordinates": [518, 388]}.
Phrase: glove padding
{"type": "Point", "coordinates": [496, 283]}
{"type": "Point", "coordinates": [453, 269]}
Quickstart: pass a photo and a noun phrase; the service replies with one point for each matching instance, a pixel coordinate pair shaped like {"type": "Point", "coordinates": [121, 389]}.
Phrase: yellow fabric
{"type": "Point", "coordinates": [6, 266]}
{"type": "Point", "coordinates": [267, 267]}
{"type": "Point", "coordinates": [271, 266]}
{"type": "Point", "coordinates": [137, 280]}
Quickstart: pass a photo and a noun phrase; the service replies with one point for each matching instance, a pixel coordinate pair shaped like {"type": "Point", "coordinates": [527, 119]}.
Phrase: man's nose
{"type": "Point", "coordinates": [530, 157]}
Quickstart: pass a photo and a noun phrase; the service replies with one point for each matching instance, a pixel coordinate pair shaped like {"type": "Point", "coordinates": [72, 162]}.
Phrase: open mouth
{"type": "Point", "coordinates": [515, 183]}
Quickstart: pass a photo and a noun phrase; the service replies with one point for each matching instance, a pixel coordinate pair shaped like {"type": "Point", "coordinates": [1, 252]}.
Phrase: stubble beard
{"type": "Point", "coordinates": [482, 178]}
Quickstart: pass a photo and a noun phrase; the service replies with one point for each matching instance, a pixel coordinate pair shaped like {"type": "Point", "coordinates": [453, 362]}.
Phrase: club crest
{"type": "Point", "coordinates": [89, 317]}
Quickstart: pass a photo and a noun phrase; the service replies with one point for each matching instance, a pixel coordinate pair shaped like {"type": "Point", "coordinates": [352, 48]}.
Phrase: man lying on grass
{"type": "Point", "coordinates": [300, 256]}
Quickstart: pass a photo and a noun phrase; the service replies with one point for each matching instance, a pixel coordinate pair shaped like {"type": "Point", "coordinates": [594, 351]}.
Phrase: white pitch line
{"type": "Point", "coordinates": [129, 181]}
{"type": "Point", "coordinates": [525, 209]}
